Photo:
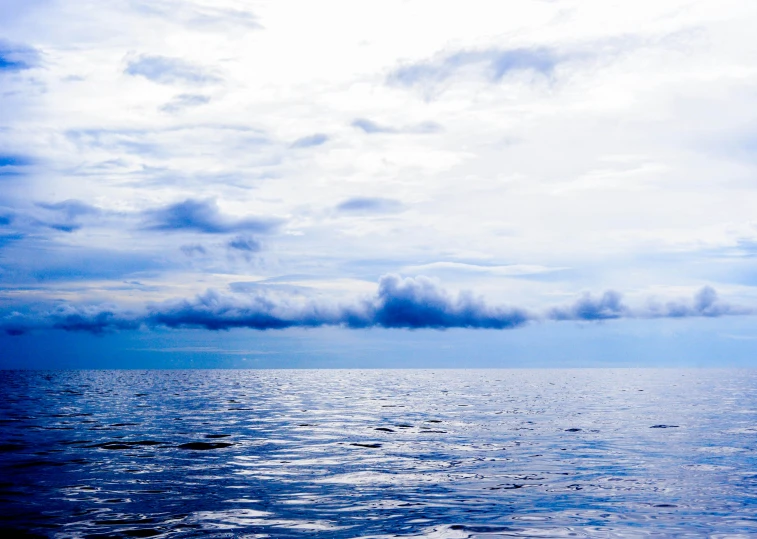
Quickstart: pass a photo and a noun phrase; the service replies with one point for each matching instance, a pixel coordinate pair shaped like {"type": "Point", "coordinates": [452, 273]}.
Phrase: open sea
{"type": "Point", "coordinates": [378, 453]}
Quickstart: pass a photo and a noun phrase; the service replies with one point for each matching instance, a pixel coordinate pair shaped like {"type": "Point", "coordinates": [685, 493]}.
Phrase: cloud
{"type": "Point", "coordinates": [165, 70]}
{"type": "Point", "coordinates": [14, 164]}
{"type": "Point", "coordinates": [6, 239]}
{"type": "Point", "coordinates": [610, 306]}
{"type": "Point", "coordinates": [410, 303]}
{"type": "Point", "coordinates": [9, 160]}
{"type": "Point", "coordinates": [369, 205]}
{"type": "Point", "coordinates": [197, 16]}
{"type": "Point", "coordinates": [203, 216]}
{"type": "Point", "coordinates": [706, 303]}
{"type": "Point", "coordinates": [70, 208]}
{"type": "Point", "coordinates": [494, 63]}
{"type": "Point", "coordinates": [215, 311]}
{"type": "Point", "coordinates": [66, 214]}
{"type": "Point", "coordinates": [15, 57]}
{"type": "Point", "coordinates": [190, 250]}
{"type": "Point", "coordinates": [511, 270]}
{"type": "Point", "coordinates": [312, 140]}
{"type": "Point", "coordinates": [185, 101]}
{"type": "Point", "coordinates": [370, 127]}
{"type": "Point", "coordinates": [399, 303]}
{"type": "Point", "coordinates": [95, 319]}
{"type": "Point", "coordinates": [605, 307]}
{"type": "Point", "coordinates": [30, 259]}
{"type": "Point", "coordinates": [421, 303]}
{"type": "Point", "coordinates": [247, 244]}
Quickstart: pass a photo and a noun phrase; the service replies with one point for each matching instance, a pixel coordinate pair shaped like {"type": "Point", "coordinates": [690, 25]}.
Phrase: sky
{"type": "Point", "coordinates": [377, 184]}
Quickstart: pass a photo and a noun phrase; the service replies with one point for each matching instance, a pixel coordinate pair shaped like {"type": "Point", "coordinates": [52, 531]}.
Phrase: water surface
{"type": "Point", "coordinates": [378, 453]}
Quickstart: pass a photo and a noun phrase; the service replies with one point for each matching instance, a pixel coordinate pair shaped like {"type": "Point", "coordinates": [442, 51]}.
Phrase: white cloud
{"type": "Point", "coordinates": [638, 143]}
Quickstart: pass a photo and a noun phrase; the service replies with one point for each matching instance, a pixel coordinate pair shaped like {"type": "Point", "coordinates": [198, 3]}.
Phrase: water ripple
{"type": "Point", "coordinates": [373, 454]}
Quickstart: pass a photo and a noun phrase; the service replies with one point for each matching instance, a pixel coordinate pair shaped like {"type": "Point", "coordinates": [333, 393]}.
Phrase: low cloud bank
{"type": "Point", "coordinates": [400, 302]}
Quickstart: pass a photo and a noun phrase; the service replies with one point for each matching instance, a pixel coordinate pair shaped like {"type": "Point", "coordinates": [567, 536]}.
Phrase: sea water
{"type": "Point", "coordinates": [378, 453]}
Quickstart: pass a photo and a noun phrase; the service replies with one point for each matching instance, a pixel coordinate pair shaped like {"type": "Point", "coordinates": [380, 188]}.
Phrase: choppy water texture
{"type": "Point", "coordinates": [445, 454]}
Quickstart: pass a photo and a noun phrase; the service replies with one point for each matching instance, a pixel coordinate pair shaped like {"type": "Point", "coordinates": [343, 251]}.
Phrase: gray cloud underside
{"type": "Point", "coordinates": [194, 215]}
{"type": "Point", "coordinates": [165, 70]}
{"type": "Point", "coordinates": [204, 216]}
{"type": "Point", "coordinates": [409, 303]}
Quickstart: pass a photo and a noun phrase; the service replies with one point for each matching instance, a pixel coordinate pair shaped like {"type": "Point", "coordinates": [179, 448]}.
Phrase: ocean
{"type": "Point", "coordinates": [378, 453]}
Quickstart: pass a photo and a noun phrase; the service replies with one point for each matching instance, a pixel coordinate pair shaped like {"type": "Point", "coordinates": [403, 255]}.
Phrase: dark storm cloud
{"type": "Point", "coordinates": [203, 216]}
{"type": "Point", "coordinates": [165, 70]}
{"type": "Point", "coordinates": [369, 205]}
{"type": "Point", "coordinates": [495, 63]}
{"type": "Point", "coordinates": [400, 302]}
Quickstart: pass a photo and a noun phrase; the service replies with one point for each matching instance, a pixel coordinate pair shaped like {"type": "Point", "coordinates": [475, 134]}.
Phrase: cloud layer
{"type": "Point", "coordinates": [399, 303]}
{"type": "Point", "coordinates": [527, 150]}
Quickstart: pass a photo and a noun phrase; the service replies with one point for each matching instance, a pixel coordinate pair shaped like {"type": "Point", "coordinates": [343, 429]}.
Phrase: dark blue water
{"type": "Point", "coordinates": [443, 454]}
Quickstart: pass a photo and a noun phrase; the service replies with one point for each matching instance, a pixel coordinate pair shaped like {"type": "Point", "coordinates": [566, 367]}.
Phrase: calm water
{"type": "Point", "coordinates": [443, 454]}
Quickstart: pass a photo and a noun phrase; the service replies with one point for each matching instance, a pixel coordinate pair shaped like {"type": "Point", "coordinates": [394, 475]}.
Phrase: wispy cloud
{"type": "Point", "coordinates": [246, 244]}
{"type": "Point", "coordinates": [316, 139]}
{"type": "Point", "coordinates": [16, 57]}
{"type": "Point", "coordinates": [370, 127]}
{"type": "Point", "coordinates": [64, 216]}
{"type": "Point", "coordinates": [204, 216]}
{"type": "Point", "coordinates": [193, 249]}
{"type": "Point", "coordinates": [370, 205]}
{"type": "Point", "coordinates": [494, 63]}
{"type": "Point", "coordinates": [185, 101]}
{"type": "Point", "coordinates": [14, 164]}
{"type": "Point", "coordinates": [165, 70]}
{"type": "Point", "coordinates": [510, 270]}
{"type": "Point", "coordinates": [70, 208]}
{"type": "Point", "coordinates": [197, 16]}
